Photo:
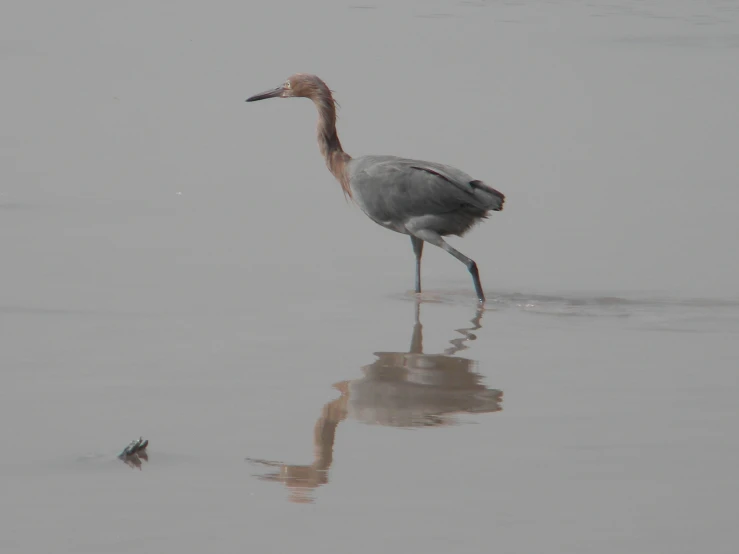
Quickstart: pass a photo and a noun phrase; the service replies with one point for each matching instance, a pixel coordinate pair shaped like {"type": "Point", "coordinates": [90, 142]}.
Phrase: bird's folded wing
{"type": "Point", "coordinates": [394, 188]}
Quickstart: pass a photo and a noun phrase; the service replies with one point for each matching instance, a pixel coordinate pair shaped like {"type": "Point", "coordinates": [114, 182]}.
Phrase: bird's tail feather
{"type": "Point", "coordinates": [494, 198]}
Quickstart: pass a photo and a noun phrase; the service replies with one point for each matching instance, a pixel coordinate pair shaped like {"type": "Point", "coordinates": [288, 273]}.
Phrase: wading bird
{"type": "Point", "coordinates": [425, 200]}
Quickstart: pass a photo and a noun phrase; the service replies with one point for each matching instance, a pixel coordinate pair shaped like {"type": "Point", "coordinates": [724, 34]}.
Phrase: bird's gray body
{"type": "Point", "coordinates": [407, 195]}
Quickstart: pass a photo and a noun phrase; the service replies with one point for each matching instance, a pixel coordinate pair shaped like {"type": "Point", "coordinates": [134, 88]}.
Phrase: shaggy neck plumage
{"type": "Point", "coordinates": [328, 140]}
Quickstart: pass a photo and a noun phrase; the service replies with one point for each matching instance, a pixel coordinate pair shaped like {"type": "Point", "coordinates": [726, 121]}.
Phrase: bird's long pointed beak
{"type": "Point", "coordinates": [274, 93]}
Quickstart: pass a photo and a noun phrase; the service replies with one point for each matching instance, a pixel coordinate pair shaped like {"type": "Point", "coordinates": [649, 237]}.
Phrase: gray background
{"type": "Point", "coordinates": [179, 264]}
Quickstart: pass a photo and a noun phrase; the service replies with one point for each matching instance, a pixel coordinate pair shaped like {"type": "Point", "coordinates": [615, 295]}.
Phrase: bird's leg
{"type": "Point", "coordinates": [471, 266]}
{"type": "Point", "coordinates": [435, 239]}
{"type": "Point", "coordinates": [418, 251]}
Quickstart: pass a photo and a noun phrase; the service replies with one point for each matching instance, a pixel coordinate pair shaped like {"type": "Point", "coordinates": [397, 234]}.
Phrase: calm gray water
{"type": "Point", "coordinates": [180, 265]}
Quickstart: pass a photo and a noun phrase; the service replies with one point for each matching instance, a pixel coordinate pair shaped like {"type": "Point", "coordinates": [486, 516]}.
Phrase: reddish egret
{"type": "Point", "coordinates": [425, 200]}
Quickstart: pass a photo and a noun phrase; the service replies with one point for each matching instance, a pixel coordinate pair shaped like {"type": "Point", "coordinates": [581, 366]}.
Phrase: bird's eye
{"type": "Point", "coordinates": [287, 84]}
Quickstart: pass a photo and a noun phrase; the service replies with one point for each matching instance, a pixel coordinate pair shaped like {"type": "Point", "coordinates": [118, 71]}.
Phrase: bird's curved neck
{"type": "Point", "coordinates": [328, 141]}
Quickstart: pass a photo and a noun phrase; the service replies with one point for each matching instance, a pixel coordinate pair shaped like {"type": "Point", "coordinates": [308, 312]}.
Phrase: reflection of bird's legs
{"type": "Point", "coordinates": [417, 336]}
{"type": "Point", "coordinates": [458, 344]}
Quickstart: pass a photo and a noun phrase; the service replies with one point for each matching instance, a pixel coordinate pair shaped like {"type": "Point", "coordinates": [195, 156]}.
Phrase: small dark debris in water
{"type": "Point", "coordinates": [135, 452]}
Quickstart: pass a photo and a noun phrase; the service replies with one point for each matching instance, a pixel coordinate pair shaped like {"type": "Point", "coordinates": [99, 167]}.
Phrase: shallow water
{"type": "Point", "coordinates": [178, 264]}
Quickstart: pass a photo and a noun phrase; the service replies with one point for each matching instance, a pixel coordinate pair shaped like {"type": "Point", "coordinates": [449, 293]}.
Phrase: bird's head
{"type": "Point", "coordinates": [299, 85]}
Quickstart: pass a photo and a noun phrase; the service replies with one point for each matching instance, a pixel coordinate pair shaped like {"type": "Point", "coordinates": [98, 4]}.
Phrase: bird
{"type": "Point", "coordinates": [425, 200]}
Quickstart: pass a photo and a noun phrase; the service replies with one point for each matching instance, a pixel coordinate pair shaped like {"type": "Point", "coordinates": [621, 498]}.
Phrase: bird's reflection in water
{"type": "Point", "coordinates": [400, 389]}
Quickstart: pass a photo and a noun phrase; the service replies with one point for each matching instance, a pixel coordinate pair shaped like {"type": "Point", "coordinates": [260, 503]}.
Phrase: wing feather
{"type": "Point", "coordinates": [395, 188]}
